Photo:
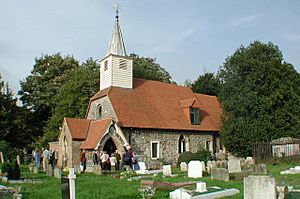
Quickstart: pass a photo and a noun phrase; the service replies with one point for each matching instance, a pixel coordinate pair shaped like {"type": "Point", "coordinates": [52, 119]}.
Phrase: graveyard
{"type": "Point", "coordinates": [122, 184]}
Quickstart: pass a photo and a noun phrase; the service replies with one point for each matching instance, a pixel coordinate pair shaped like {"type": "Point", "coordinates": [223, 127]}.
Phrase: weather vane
{"type": "Point", "coordinates": [117, 7]}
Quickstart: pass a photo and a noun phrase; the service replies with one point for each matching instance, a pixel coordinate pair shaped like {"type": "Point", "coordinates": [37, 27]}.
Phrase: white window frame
{"type": "Point", "coordinates": [152, 142]}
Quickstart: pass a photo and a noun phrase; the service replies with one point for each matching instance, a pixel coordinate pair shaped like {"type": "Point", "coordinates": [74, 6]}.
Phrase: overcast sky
{"type": "Point", "coordinates": [188, 38]}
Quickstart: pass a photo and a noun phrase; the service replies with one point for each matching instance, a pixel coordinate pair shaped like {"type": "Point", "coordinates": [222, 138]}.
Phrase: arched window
{"type": "Point", "coordinates": [181, 144]}
{"type": "Point", "coordinates": [99, 111]}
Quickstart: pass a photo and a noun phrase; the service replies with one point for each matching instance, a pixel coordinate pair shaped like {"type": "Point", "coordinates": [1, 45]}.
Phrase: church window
{"type": "Point", "coordinates": [194, 116]}
{"type": "Point", "coordinates": [181, 144]}
{"type": "Point", "coordinates": [99, 111]}
{"type": "Point", "coordinates": [154, 149]}
{"type": "Point", "coordinates": [123, 64]}
{"type": "Point", "coordinates": [105, 65]}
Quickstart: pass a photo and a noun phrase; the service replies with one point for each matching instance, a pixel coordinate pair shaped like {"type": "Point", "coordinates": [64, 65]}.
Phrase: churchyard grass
{"type": "Point", "coordinates": [106, 187]}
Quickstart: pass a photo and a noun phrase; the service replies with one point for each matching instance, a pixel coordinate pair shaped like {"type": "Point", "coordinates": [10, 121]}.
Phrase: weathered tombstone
{"type": "Point", "coordinates": [35, 169]}
{"type": "Point", "coordinates": [259, 169]}
{"type": "Point", "coordinates": [180, 194]}
{"type": "Point", "coordinates": [220, 174]}
{"type": "Point", "coordinates": [142, 166]}
{"type": "Point", "coordinates": [220, 155]}
{"type": "Point", "coordinates": [97, 169]}
{"type": "Point", "coordinates": [2, 158]}
{"type": "Point", "coordinates": [201, 187]}
{"type": "Point", "coordinates": [72, 178]}
{"type": "Point", "coordinates": [18, 160]}
{"type": "Point", "coordinates": [250, 161]}
{"type": "Point", "coordinates": [167, 170]}
{"type": "Point", "coordinates": [195, 169]}
{"type": "Point", "coordinates": [209, 165]}
{"type": "Point", "coordinates": [234, 164]}
{"type": "Point", "coordinates": [57, 172]}
{"type": "Point", "coordinates": [77, 169]}
{"type": "Point", "coordinates": [49, 171]}
{"type": "Point", "coordinates": [183, 166]}
{"type": "Point", "coordinates": [203, 166]}
{"type": "Point", "coordinates": [259, 187]}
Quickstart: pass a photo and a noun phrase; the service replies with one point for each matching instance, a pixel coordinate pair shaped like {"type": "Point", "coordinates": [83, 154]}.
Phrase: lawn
{"type": "Point", "coordinates": [91, 186]}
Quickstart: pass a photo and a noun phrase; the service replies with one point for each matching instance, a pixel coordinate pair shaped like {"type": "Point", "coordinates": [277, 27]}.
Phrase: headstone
{"type": "Point", "coordinates": [183, 166]}
{"type": "Point", "coordinates": [18, 160]}
{"type": "Point", "coordinates": [209, 165]}
{"type": "Point", "coordinates": [234, 164]}
{"type": "Point", "coordinates": [72, 178]}
{"type": "Point", "coordinates": [35, 169]}
{"type": "Point", "coordinates": [220, 155]}
{"type": "Point", "coordinates": [49, 171]}
{"type": "Point", "coordinates": [282, 191]}
{"type": "Point", "coordinates": [77, 169]}
{"type": "Point", "coordinates": [142, 165]}
{"type": "Point", "coordinates": [57, 172]}
{"type": "Point", "coordinates": [201, 187]}
{"type": "Point", "coordinates": [195, 169]}
{"type": "Point", "coordinates": [2, 158]}
{"type": "Point", "coordinates": [259, 169]}
{"type": "Point", "coordinates": [4, 179]}
{"type": "Point", "coordinates": [97, 169]}
{"type": "Point", "coordinates": [112, 168]}
{"type": "Point", "coordinates": [220, 174]}
{"type": "Point", "coordinates": [180, 194]}
{"type": "Point", "coordinates": [203, 166]}
{"type": "Point", "coordinates": [167, 170]}
{"type": "Point", "coordinates": [259, 187]}
{"type": "Point", "coordinates": [250, 161]}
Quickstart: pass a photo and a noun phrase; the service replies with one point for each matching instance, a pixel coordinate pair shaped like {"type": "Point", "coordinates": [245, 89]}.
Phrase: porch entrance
{"type": "Point", "coordinates": [109, 147]}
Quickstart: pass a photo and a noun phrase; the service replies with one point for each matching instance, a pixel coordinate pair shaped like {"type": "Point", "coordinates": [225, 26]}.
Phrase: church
{"type": "Point", "coordinates": [157, 120]}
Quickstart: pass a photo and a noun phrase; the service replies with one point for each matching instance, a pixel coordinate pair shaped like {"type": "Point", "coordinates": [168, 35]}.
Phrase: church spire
{"type": "Point", "coordinates": [116, 44]}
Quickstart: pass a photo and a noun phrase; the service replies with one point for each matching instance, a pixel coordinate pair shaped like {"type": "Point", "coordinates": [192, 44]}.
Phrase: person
{"type": "Point", "coordinates": [118, 158]}
{"type": "Point", "coordinates": [105, 161]}
{"type": "Point", "coordinates": [83, 160]}
{"type": "Point", "coordinates": [37, 159]}
{"type": "Point", "coordinates": [51, 159]}
{"type": "Point", "coordinates": [95, 158]}
{"type": "Point", "coordinates": [128, 156]}
{"type": "Point", "coordinates": [45, 156]}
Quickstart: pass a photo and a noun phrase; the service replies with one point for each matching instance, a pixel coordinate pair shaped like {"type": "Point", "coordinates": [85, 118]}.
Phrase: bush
{"type": "Point", "coordinates": [201, 155]}
{"type": "Point", "coordinates": [186, 156]}
{"type": "Point", "coordinates": [12, 170]}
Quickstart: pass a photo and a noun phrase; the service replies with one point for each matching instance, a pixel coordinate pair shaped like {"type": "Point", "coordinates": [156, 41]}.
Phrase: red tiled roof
{"type": "Point", "coordinates": [158, 105]}
{"type": "Point", "coordinates": [78, 127]}
{"type": "Point", "coordinates": [96, 131]}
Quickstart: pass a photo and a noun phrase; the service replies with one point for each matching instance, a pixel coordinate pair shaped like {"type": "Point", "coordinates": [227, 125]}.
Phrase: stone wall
{"type": "Point", "coordinates": [140, 141]}
{"type": "Point", "coordinates": [75, 158]}
{"type": "Point", "coordinates": [106, 109]}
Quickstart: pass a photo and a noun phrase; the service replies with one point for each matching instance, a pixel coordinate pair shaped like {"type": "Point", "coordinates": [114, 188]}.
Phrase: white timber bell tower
{"type": "Point", "coordinates": [116, 67]}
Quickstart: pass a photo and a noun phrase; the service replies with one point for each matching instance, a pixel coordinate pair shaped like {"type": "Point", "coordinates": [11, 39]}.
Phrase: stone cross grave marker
{"type": "Point", "coordinates": [167, 170]}
{"type": "Point", "coordinates": [195, 169]}
{"type": "Point", "coordinates": [72, 178]}
{"type": "Point", "coordinates": [259, 187]}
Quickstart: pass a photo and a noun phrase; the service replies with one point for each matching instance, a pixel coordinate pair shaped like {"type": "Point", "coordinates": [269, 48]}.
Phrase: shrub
{"type": "Point", "coordinates": [13, 171]}
{"type": "Point", "coordinates": [202, 154]}
{"type": "Point", "coordinates": [186, 156]}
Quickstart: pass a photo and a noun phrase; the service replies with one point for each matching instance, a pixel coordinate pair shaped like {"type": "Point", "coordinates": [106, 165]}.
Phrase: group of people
{"type": "Point", "coordinates": [45, 156]}
{"type": "Point", "coordinates": [107, 161]}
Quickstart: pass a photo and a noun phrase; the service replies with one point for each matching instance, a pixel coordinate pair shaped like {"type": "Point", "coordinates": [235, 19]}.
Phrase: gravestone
{"type": "Point", "coordinates": [97, 169]}
{"type": "Point", "coordinates": [77, 169]}
{"type": "Point", "coordinates": [259, 187]}
{"type": "Point", "coordinates": [167, 170]}
{"type": "Point", "coordinates": [35, 169]}
{"type": "Point", "coordinates": [209, 165]}
{"type": "Point", "coordinates": [180, 194]}
{"type": "Point", "coordinates": [259, 169]}
{"type": "Point", "coordinates": [201, 187]}
{"type": "Point", "coordinates": [2, 158]}
{"type": "Point", "coordinates": [72, 178]}
{"type": "Point", "coordinates": [220, 174]}
{"type": "Point", "coordinates": [195, 169]}
{"type": "Point", "coordinates": [49, 171]}
{"type": "Point", "coordinates": [220, 155]}
{"type": "Point", "coordinates": [234, 164]}
{"type": "Point", "coordinates": [203, 166]}
{"type": "Point", "coordinates": [183, 166]}
{"type": "Point", "coordinates": [57, 172]}
{"type": "Point", "coordinates": [142, 166]}
{"type": "Point", "coordinates": [250, 161]}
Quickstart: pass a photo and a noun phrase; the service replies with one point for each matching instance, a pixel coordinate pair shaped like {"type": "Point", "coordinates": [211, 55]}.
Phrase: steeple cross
{"type": "Point", "coordinates": [117, 7]}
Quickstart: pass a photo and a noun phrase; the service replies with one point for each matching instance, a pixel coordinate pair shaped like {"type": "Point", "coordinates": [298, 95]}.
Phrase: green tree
{"type": "Point", "coordinates": [73, 97]}
{"type": "Point", "coordinates": [206, 84]}
{"type": "Point", "coordinates": [39, 89]}
{"type": "Point", "coordinates": [259, 96]}
{"type": "Point", "coordinates": [148, 68]}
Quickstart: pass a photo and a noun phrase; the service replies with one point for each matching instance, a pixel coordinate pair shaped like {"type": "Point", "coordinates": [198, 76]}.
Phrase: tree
{"type": "Point", "coordinates": [206, 84]}
{"type": "Point", "coordinates": [39, 89]}
{"type": "Point", "coordinates": [147, 68]}
{"type": "Point", "coordinates": [259, 96]}
{"type": "Point", "coordinates": [73, 97]}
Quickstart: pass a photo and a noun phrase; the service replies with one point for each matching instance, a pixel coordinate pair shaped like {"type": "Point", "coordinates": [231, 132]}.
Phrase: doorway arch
{"type": "Point", "coordinates": [109, 146]}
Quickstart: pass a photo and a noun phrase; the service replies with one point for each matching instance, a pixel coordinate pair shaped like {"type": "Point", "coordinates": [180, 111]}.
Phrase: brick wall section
{"type": "Point", "coordinates": [107, 111]}
{"type": "Point", "coordinates": [140, 140]}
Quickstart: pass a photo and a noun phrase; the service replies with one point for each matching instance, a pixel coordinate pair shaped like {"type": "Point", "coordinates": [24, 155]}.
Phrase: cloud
{"type": "Point", "coordinates": [243, 20]}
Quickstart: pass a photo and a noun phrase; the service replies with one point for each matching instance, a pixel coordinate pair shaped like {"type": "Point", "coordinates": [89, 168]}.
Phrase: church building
{"type": "Point", "coordinates": [157, 120]}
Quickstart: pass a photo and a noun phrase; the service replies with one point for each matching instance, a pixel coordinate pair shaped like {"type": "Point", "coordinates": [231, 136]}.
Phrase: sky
{"type": "Point", "coordinates": [188, 38]}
